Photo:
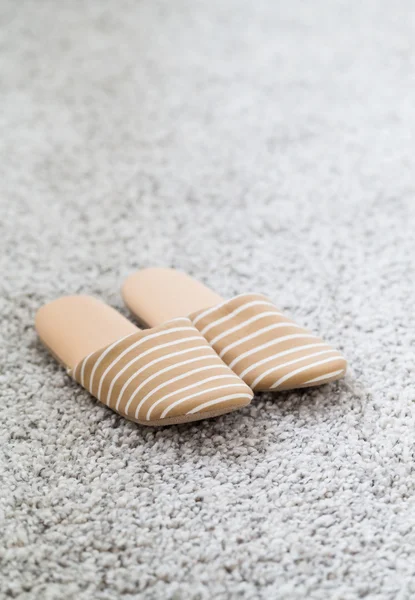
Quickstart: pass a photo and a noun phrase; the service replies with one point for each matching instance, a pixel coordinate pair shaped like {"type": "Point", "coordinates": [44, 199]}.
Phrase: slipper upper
{"type": "Point", "coordinates": [163, 372]}
{"type": "Point", "coordinates": [265, 348]}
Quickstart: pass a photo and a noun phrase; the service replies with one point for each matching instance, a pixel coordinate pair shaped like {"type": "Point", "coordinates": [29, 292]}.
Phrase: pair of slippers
{"type": "Point", "coordinates": [199, 356]}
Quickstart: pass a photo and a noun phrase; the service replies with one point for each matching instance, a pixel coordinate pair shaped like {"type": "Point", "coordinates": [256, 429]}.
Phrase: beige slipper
{"type": "Point", "coordinates": [160, 376]}
{"type": "Point", "coordinates": [262, 346]}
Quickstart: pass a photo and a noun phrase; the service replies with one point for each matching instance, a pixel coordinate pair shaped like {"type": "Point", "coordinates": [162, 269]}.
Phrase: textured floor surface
{"type": "Point", "coordinates": [257, 145]}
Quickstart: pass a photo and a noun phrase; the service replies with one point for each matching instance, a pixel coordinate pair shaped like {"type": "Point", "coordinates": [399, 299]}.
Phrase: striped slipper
{"type": "Point", "coordinates": [262, 346]}
{"type": "Point", "coordinates": [160, 376]}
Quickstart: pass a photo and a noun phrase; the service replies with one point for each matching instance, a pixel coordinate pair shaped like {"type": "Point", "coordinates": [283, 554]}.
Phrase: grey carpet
{"type": "Point", "coordinates": [257, 145]}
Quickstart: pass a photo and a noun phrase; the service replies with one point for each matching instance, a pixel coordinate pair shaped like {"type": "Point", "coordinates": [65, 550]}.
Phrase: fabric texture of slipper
{"type": "Point", "coordinates": [266, 349]}
{"type": "Point", "coordinates": [165, 375]}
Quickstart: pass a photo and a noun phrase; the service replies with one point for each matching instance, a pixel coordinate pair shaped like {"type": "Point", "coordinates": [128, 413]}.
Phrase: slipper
{"type": "Point", "coordinates": [262, 346]}
{"type": "Point", "coordinates": [160, 376]}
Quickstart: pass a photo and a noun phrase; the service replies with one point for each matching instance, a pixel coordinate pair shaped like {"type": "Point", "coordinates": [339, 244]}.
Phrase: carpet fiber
{"type": "Point", "coordinates": [257, 146]}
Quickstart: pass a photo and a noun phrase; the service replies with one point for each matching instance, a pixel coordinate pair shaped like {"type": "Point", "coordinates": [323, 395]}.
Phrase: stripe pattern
{"type": "Point", "coordinates": [168, 372]}
{"type": "Point", "coordinates": [266, 349]}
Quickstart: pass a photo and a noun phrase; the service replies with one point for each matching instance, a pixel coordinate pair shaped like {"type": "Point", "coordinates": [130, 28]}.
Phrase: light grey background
{"type": "Point", "coordinates": [257, 145]}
